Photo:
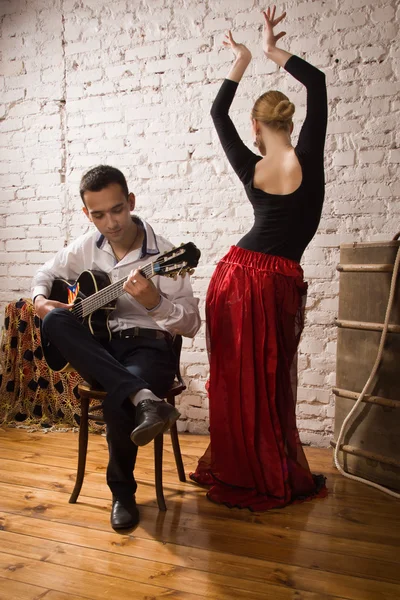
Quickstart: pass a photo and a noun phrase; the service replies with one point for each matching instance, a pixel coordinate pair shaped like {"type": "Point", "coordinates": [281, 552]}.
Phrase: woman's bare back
{"type": "Point", "coordinates": [280, 174]}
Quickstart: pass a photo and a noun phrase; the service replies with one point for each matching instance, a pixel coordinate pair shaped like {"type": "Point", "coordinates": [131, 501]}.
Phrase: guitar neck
{"type": "Point", "coordinates": [108, 294]}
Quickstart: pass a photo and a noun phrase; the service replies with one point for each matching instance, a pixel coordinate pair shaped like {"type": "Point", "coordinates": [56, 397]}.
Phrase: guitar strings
{"type": "Point", "coordinates": [102, 297]}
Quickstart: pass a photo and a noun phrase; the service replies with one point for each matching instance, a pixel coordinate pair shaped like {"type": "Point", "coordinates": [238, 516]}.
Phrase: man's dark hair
{"type": "Point", "coordinates": [101, 177]}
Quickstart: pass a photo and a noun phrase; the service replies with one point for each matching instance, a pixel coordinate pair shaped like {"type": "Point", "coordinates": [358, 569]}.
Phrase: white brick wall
{"type": "Point", "coordinates": [130, 84]}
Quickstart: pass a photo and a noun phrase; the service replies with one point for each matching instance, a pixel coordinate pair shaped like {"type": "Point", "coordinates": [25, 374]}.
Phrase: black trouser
{"type": "Point", "coordinates": [122, 367]}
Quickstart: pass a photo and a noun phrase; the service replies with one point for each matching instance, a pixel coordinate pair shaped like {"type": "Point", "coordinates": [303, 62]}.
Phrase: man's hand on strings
{"type": "Point", "coordinates": [142, 289]}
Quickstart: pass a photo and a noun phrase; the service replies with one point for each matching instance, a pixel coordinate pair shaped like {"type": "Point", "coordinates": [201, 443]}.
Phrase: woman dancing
{"type": "Point", "coordinates": [256, 297]}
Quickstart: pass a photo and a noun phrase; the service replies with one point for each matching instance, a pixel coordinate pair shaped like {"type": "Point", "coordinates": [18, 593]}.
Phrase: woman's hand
{"type": "Point", "coordinates": [269, 37]}
{"type": "Point", "coordinates": [240, 50]}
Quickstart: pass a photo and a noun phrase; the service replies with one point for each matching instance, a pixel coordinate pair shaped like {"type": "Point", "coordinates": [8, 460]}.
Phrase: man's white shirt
{"type": "Point", "coordinates": [178, 310]}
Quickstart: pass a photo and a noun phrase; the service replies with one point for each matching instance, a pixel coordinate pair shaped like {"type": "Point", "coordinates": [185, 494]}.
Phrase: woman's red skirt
{"type": "Point", "coordinates": [255, 313]}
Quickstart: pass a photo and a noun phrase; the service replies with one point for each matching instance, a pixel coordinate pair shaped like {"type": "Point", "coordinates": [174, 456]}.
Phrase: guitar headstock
{"type": "Point", "coordinates": [178, 261]}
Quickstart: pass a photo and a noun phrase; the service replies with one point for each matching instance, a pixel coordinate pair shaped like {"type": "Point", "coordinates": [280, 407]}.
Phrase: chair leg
{"type": "Point", "coordinates": [82, 451]}
{"type": "Point", "coordinates": [175, 445]}
{"type": "Point", "coordinates": [158, 459]}
{"type": "Point", "coordinates": [177, 453]}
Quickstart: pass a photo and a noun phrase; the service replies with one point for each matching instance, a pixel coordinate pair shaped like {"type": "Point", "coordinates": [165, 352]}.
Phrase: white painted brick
{"type": "Point", "coordinates": [380, 106]}
{"type": "Point", "coordinates": [352, 109]}
{"type": "Point", "coordinates": [15, 286]}
{"type": "Point", "coordinates": [196, 371]}
{"type": "Point", "coordinates": [83, 76]}
{"type": "Point", "coordinates": [381, 190]}
{"type": "Point", "coordinates": [50, 245]}
{"type": "Point", "coordinates": [41, 178]}
{"type": "Point", "coordinates": [382, 14]}
{"type": "Point", "coordinates": [11, 67]}
{"type": "Point", "coordinates": [187, 46]}
{"type": "Point", "coordinates": [82, 47]}
{"type": "Point", "coordinates": [371, 52]}
{"type": "Point", "coordinates": [192, 76]}
{"type": "Point", "coordinates": [217, 25]}
{"type": "Point", "coordinates": [10, 180]}
{"type": "Point", "coordinates": [23, 244]}
{"type": "Point", "coordinates": [343, 21]}
{"type": "Point", "coordinates": [45, 230]}
{"type": "Point", "coordinates": [9, 7]}
{"type": "Point", "coordinates": [265, 67]}
{"type": "Point", "coordinates": [119, 71]}
{"type": "Point", "coordinates": [197, 413]}
{"type": "Point", "coordinates": [147, 51]}
{"type": "Point", "coordinates": [38, 258]}
{"type": "Point", "coordinates": [13, 167]}
{"type": "Point", "coordinates": [11, 233]}
{"type": "Point", "coordinates": [311, 410]}
{"type": "Point", "coordinates": [13, 95]}
{"type": "Point", "coordinates": [20, 270]}
{"type": "Point", "coordinates": [22, 219]}
{"type": "Point", "coordinates": [330, 348]}
{"type": "Point", "coordinates": [12, 257]}
{"type": "Point", "coordinates": [312, 424]}
{"type": "Point", "coordinates": [192, 400]}
{"type": "Point", "coordinates": [169, 64]}
{"type": "Point", "coordinates": [6, 194]}
{"type": "Point", "coordinates": [394, 156]}
{"type": "Point", "coordinates": [383, 88]}
{"type": "Point", "coordinates": [106, 116]}
{"type": "Point", "coordinates": [49, 191]}
{"type": "Point", "coordinates": [311, 346]}
{"type": "Point", "coordinates": [346, 158]}
{"type": "Point", "coordinates": [371, 156]}
{"type": "Point", "coordinates": [343, 126]}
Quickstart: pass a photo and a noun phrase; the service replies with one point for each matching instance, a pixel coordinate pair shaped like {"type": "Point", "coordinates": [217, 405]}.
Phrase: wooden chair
{"type": "Point", "coordinates": [95, 413]}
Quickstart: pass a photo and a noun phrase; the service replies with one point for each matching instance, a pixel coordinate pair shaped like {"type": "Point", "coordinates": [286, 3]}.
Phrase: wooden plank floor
{"type": "Point", "coordinates": [346, 546]}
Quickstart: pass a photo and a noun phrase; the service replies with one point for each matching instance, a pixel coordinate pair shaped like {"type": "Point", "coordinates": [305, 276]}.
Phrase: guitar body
{"type": "Point", "coordinates": [87, 284]}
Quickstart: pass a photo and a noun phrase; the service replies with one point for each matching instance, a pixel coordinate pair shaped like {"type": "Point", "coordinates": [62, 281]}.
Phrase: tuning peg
{"type": "Point", "coordinates": [190, 271]}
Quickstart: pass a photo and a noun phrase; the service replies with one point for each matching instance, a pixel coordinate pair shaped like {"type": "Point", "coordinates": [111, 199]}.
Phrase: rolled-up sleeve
{"type": "Point", "coordinates": [178, 311]}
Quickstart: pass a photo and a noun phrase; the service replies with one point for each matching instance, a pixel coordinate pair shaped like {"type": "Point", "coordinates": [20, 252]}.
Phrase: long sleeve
{"type": "Point", "coordinates": [240, 157]}
{"type": "Point", "coordinates": [312, 135]}
{"type": "Point", "coordinates": [178, 310]}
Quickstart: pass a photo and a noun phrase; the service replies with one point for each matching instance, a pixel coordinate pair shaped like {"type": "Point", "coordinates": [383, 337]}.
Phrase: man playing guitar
{"type": "Point", "coordinates": [131, 357]}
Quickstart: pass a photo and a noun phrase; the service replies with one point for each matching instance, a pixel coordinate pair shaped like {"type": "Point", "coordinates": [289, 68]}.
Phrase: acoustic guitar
{"type": "Point", "coordinates": [94, 296]}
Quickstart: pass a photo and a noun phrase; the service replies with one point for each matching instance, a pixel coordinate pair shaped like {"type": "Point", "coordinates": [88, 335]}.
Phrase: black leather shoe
{"type": "Point", "coordinates": [124, 514]}
{"type": "Point", "coordinates": [152, 417]}
{"type": "Point", "coordinates": [173, 415]}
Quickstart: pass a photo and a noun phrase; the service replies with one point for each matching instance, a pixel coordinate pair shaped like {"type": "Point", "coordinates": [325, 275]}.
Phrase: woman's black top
{"type": "Point", "coordinates": [283, 224]}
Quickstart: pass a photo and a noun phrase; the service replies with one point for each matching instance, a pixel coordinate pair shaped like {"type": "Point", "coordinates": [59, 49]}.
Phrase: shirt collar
{"type": "Point", "coordinates": [149, 245]}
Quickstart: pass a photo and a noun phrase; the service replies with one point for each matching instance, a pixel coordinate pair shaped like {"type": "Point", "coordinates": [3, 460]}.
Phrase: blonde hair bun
{"type": "Point", "coordinates": [283, 111]}
{"type": "Point", "coordinates": [274, 109]}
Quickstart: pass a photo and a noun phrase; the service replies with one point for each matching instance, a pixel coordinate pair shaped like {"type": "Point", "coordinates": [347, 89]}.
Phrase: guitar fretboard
{"type": "Point", "coordinates": [111, 292]}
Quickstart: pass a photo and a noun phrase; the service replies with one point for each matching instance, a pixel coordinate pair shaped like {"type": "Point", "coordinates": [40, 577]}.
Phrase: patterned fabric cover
{"type": "Point", "coordinates": [30, 392]}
